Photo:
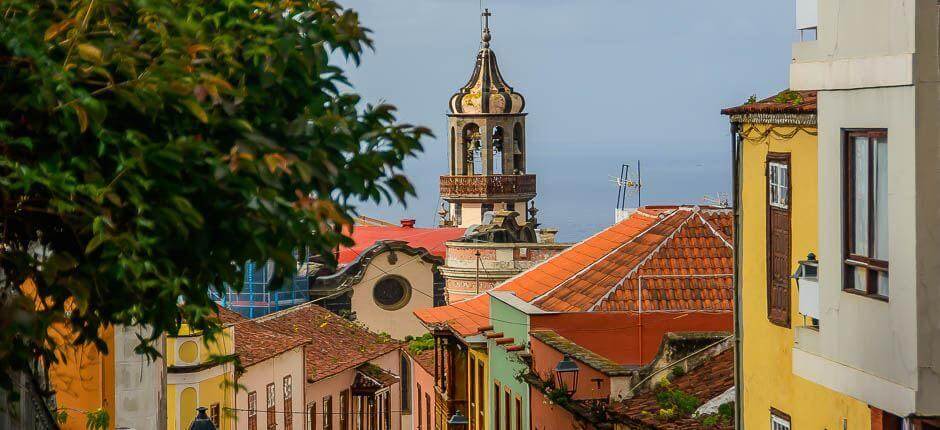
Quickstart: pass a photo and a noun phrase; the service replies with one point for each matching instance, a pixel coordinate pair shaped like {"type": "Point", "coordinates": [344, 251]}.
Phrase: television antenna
{"type": "Point", "coordinates": [628, 185]}
{"type": "Point", "coordinates": [719, 199]}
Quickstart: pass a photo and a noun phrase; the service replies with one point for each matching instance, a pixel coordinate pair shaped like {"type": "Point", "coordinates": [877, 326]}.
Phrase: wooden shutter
{"type": "Point", "coordinates": [778, 243]}
{"type": "Point", "coordinates": [288, 402]}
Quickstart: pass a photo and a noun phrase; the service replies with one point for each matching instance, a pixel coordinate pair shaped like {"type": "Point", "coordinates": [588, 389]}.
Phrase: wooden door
{"type": "Point", "coordinates": [778, 238]}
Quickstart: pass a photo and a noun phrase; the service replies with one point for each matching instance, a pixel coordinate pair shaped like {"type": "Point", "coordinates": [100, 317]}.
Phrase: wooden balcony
{"type": "Point", "coordinates": [479, 187]}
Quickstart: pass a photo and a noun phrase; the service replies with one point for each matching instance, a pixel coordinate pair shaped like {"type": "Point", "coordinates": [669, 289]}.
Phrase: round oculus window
{"type": "Point", "coordinates": [392, 292]}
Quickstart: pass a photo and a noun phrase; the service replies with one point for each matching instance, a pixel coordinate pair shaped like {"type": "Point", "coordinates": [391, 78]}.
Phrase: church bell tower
{"type": "Point", "coordinates": [487, 147]}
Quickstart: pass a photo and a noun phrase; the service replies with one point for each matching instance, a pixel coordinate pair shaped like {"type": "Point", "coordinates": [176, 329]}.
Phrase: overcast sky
{"type": "Point", "coordinates": [606, 82]}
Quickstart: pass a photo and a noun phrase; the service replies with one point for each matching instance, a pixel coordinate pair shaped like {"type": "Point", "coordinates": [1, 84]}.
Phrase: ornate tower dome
{"type": "Point", "coordinates": [486, 91]}
{"type": "Point", "coordinates": [487, 147]}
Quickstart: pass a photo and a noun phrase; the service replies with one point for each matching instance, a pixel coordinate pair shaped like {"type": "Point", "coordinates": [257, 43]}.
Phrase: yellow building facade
{"type": "Point", "coordinates": [194, 379]}
{"type": "Point", "coordinates": [478, 393]}
{"type": "Point", "coordinates": [778, 228]}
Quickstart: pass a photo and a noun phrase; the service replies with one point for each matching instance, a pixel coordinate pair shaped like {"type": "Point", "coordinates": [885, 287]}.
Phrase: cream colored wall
{"type": "Point", "coordinates": [258, 376]}
{"type": "Point", "coordinates": [868, 348]}
{"type": "Point", "coordinates": [860, 43]}
{"type": "Point", "coordinates": [768, 378]}
{"type": "Point", "coordinates": [139, 383]}
{"type": "Point", "coordinates": [401, 322]}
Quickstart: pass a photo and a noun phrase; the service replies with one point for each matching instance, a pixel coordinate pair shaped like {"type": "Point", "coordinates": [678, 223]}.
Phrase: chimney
{"type": "Point", "coordinates": [408, 223]}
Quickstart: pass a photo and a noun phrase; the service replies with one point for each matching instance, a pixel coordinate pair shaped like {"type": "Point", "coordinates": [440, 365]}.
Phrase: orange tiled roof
{"type": "Point", "coordinates": [793, 102]}
{"type": "Point", "coordinates": [424, 358]}
{"type": "Point", "coordinates": [335, 343]}
{"type": "Point", "coordinates": [601, 273]}
{"type": "Point", "coordinates": [254, 343]}
{"type": "Point", "coordinates": [432, 239]}
{"type": "Point", "coordinates": [705, 382]}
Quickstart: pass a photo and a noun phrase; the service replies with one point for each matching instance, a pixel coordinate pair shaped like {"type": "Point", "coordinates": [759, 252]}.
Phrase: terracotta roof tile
{"type": "Point", "coordinates": [424, 358]}
{"type": "Point", "coordinates": [228, 316]}
{"type": "Point", "coordinates": [465, 317]}
{"type": "Point", "coordinates": [793, 102]}
{"type": "Point", "coordinates": [432, 239]}
{"type": "Point", "coordinates": [335, 343]}
{"type": "Point", "coordinates": [707, 381]}
{"type": "Point", "coordinates": [254, 343]}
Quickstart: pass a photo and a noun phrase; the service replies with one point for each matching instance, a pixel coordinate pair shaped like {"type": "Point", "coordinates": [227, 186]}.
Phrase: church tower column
{"type": "Point", "coordinates": [487, 120]}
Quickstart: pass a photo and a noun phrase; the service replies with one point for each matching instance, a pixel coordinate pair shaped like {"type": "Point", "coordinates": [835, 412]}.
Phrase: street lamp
{"type": "Point", "coordinates": [807, 284]}
{"type": "Point", "coordinates": [566, 375]}
{"type": "Point", "coordinates": [458, 421]}
{"type": "Point", "coordinates": [202, 421]}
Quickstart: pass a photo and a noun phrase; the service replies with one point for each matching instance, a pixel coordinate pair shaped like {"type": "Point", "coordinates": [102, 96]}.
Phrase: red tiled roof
{"type": "Point", "coordinates": [254, 343]}
{"type": "Point", "coordinates": [682, 260]}
{"type": "Point", "coordinates": [432, 239]}
{"type": "Point", "coordinates": [602, 272]}
{"type": "Point", "coordinates": [336, 344]}
{"type": "Point", "coordinates": [228, 316]}
{"type": "Point", "coordinates": [712, 378]}
{"type": "Point", "coordinates": [424, 358]}
{"type": "Point", "coordinates": [467, 316]}
{"type": "Point", "coordinates": [794, 102]}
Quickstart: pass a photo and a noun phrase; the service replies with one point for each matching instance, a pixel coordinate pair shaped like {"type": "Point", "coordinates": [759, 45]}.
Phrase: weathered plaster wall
{"type": "Point", "coordinates": [422, 393]}
{"type": "Point", "coordinates": [334, 385]}
{"type": "Point", "coordinates": [258, 376]}
{"type": "Point", "coordinates": [400, 322]}
{"type": "Point", "coordinates": [769, 380]}
{"type": "Point", "coordinates": [139, 383]}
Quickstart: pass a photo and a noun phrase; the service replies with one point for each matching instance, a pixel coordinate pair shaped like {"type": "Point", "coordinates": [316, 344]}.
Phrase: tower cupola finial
{"type": "Point", "coordinates": [486, 92]}
{"type": "Point", "coordinates": [486, 28]}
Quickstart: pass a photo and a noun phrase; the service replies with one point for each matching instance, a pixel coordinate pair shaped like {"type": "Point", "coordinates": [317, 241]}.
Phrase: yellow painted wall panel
{"type": "Point", "coordinates": [767, 348]}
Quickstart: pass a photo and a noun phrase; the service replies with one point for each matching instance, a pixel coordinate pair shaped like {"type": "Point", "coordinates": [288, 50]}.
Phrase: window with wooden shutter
{"type": "Point", "coordinates": [427, 411]}
{"type": "Point", "coordinates": [271, 401]}
{"type": "Point", "coordinates": [215, 414]}
{"type": "Point", "coordinates": [312, 416]}
{"type": "Point", "coordinates": [252, 411]}
{"type": "Point", "coordinates": [288, 400]}
{"type": "Point", "coordinates": [344, 410]}
{"type": "Point", "coordinates": [418, 415]}
{"type": "Point", "coordinates": [778, 238]}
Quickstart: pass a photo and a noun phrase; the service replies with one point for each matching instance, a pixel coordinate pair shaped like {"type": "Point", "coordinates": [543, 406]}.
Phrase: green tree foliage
{"type": "Point", "coordinates": [149, 147]}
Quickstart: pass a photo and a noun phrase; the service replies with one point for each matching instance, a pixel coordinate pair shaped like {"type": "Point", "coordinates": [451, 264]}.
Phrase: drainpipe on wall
{"type": "Point", "coordinates": [738, 326]}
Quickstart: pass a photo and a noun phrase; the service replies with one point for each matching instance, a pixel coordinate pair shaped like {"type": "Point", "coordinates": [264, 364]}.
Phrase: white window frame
{"type": "Point", "coordinates": [779, 423]}
{"type": "Point", "coordinates": [778, 184]}
{"type": "Point", "coordinates": [288, 388]}
{"type": "Point", "coordinates": [252, 404]}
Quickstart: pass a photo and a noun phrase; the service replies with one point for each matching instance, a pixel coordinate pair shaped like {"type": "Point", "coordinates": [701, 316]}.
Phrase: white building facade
{"type": "Point", "coordinates": [875, 66]}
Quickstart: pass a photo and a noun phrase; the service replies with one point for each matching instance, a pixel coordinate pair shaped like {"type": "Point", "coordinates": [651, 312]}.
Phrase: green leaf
{"type": "Point", "coordinates": [195, 109]}
{"type": "Point", "coordinates": [89, 52]}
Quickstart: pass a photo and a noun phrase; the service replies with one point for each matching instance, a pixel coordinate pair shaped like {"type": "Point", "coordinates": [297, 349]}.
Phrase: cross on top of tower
{"type": "Point", "coordinates": [486, 27]}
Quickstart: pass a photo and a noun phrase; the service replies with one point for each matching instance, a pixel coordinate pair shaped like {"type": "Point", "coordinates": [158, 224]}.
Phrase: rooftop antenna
{"type": "Point", "coordinates": [627, 184]}
{"type": "Point", "coordinates": [719, 199]}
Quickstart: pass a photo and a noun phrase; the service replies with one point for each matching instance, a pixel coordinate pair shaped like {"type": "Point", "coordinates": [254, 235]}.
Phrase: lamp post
{"type": "Point", "coordinates": [458, 421]}
{"type": "Point", "coordinates": [202, 421]}
{"type": "Point", "coordinates": [566, 375]}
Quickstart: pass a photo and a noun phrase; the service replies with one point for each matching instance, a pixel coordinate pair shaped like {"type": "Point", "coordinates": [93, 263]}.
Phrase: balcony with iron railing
{"type": "Point", "coordinates": [473, 187]}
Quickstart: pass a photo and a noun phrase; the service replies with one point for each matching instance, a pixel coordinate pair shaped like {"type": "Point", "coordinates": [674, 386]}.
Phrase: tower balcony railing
{"type": "Point", "coordinates": [487, 186]}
